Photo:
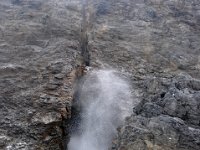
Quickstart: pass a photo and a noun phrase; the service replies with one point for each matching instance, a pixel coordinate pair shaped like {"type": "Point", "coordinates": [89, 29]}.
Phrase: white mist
{"type": "Point", "coordinates": [105, 100]}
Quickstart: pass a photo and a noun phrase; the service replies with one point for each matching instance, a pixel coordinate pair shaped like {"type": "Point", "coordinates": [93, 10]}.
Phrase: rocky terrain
{"type": "Point", "coordinates": [39, 63]}
{"type": "Point", "coordinates": [155, 43]}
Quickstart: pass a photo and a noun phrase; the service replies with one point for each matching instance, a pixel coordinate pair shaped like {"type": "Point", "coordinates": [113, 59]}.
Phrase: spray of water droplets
{"type": "Point", "coordinates": [105, 99]}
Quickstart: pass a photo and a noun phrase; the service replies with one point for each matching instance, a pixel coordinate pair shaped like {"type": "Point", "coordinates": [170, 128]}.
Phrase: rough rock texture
{"type": "Point", "coordinates": [165, 121]}
{"type": "Point", "coordinates": [156, 43]}
{"type": "Point", "coordinates": [39, 59]}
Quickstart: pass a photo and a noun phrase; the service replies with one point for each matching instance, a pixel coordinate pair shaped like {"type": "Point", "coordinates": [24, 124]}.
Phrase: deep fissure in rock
{"type": "Point", "coordinates": [71, 125]}
{"type": "Point", "coordinates": [83, 41]}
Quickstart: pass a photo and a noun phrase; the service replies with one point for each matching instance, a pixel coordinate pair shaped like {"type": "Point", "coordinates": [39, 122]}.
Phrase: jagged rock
{"type": "Point", "coordinates": [171, 118]}
{"type": "Point", "coordinates": [153, 42]}
{"type": "Point", "coordinates": [39, 50]}
{"type": "Point", "coordinates": [48, 118]}
{"type": "Point", "coordinates": [156, 44]}
{"type": "Point", "coordinates": [162, 132]}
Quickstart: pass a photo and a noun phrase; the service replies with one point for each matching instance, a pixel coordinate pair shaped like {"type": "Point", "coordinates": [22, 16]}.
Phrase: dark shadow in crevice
{"type": "Point", "coordinates": [72, 126]}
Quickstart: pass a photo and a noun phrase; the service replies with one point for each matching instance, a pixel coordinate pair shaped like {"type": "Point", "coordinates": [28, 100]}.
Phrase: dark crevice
{"type": "Point", "coordinates": [84, 48]}
{"type": "Point", "coordinates": [83, 41]}
{"type": "Point", "coordinates": [162, 95]}
{"type": "Point", "coordinates": [72, 125]}
{"type": "Point", "coordinates": [64, 135]}
{"type": "Point", "coordinates": [185, 117]}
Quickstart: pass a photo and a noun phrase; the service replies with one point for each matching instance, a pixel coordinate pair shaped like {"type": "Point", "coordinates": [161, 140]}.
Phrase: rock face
{"type": "Point", "coordinates": [39, 46]}
{"type": "Point", "coordinates": [168, 120]}
{"type": "Point", "coordinates": [156, 43]}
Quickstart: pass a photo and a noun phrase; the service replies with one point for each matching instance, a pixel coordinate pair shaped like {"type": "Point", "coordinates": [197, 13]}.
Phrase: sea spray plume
{"type": "Point", "coordinates": [105, 100]}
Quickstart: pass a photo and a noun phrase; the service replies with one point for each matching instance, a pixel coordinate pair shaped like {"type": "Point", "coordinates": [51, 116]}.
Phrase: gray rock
{"type": "Point", "coordinates": [37, 58]}
{"type": "Point", "coordinates": [155, 43]}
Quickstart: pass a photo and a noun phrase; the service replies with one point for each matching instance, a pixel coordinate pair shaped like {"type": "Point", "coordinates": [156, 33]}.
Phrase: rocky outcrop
{"type": "Point", "coordinates": [156, 44]}
{"type": "Point", "coordinates": [39, 63]}
{"type": "Point", "coordinates": [153, 42]}
{"type": "Point", "coordinates": [164, 121]}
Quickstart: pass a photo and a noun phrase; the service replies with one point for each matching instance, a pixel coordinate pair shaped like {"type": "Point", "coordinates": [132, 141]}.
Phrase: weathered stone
{"type": "Point", "coordinates": [39, 49]}
{"type": "Point", "coordinates": [156, 44]}
{"type": "Point", "coordinates": [47, 118]}
{"type": "Point", "coordinates": [153, 42]}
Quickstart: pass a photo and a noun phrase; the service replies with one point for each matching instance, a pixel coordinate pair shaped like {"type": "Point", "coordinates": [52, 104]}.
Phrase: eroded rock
{"type": "Point", "coordinates": [39, 51]}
